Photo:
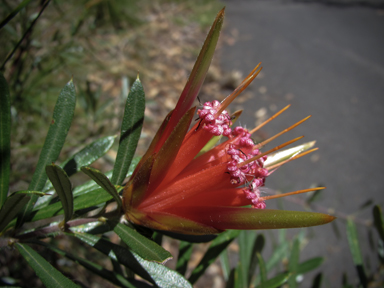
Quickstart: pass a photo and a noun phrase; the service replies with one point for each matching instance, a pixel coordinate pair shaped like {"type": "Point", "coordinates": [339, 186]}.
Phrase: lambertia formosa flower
{"type": "Point", "coordinates": [186, 184]}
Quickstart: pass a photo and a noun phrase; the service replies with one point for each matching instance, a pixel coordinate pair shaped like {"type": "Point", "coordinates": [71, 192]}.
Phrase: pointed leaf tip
{"type": "Point", "coordinates": [221, 14]}
{"type": "Point", "coordinates": [196, 78]}
{"type": "Point", "coordinates": [63, 188]}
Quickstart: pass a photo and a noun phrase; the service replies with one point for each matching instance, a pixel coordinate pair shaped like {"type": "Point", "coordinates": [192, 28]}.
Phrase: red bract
{"type": "Point", "coordinates": [183, 184]}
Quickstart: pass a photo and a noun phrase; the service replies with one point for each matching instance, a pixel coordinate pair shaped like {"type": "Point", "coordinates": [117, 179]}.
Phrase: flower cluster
{"type": "Point", "coordinates": [240, 150]}
{"type": "Point", "coordinates": [188, 183]}
{"type": "Point", "coordinates": [216, 124]}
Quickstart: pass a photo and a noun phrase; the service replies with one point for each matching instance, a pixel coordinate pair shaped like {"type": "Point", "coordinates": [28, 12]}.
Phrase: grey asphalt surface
{"type": "Point", "coordinates": [327, 61]}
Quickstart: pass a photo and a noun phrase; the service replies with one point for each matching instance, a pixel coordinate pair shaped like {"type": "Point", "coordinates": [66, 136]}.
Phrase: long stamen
{"type": "Point", "coordinates": [291, 159]}
{"type": "Point", "coordinates": [282, 132]}
{"type": "Point", "coordinates": [269, 151]}
{"type": "Point", "coordinates": [270, 119]}
{"type": "Point", "coordinates": [250, 74]}
{"type": "Point", "coordinates": [248, 80]}
{"type": "Point", "coordinates": [290, 193]}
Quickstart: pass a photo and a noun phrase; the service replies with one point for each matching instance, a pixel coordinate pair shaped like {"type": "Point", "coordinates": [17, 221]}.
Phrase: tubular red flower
{"type": "Point", "coordinates": [178, 188]}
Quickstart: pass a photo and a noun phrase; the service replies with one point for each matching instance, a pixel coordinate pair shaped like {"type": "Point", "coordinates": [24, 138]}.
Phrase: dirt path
{"type": "Point", "coordinates": [326, 61]}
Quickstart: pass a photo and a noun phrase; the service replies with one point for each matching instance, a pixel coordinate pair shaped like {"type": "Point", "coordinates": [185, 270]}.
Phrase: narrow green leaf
{"type": "Point", "coordinates": [258, 246]}
{"type": "Point", "coordinates": [309, 265]}
{"type": "Point", "coordinates": [60, 124]}
{"type": "Point", "coordinates": [263, 268]}
{"type": "Point", "coordinates": [93, 198]}
{"type": "Point", "coordinates": [162, 275]}
{"type": "Point", "coordinates": [14, 13]}
{"type": "Point", "coordinates": [231, 283]}
{"type": "Point", "coordinates": [116, 267]}
{"type": "Point", "coordinates": [275, 281]}
{"type": "Point", "coordinates": [294, 263]}
{"type": "Point", "coordinates": [185, 252]}
{"type": "Point", "coordinates": [88, 186]}
{"type": "Point", "coordinates": [115, 252]}
{"type": "Point", "coordinates": [225, 266]}
{"type": "Point", "coordinates": [378, 221]}
{"type": "Point", "coordinates": [354, 243]}
{"type": "Point", "coordinates": [282, 233]}
{"type": "Point", "coordinates": [245, 240]}
{"type": "Point", "coordinates": [104, 182]}
{"type": "Point", "coordinates": [87, 155]}
{"type": "Point", "coordinates": [27, 192]}
{"type": "Point", "coordinates": [238, 277]}
{"type": "Point", "coordinates": [13, 204]}
{"type": "Point", "coordinates": [145, 248]}
{"type": "Point", "coordinates": [130, 131]}
{"type": "Point", "coordinates": [217, 246]}
{"type": "Point", "coordinates": [5, 138]}
{"type": "Point", "coordinates": [84, 157]}
{"type": "Point", "coordinates": [51, 277]}
{"type": "Point", "coordinates": [316, 283]}
{"type": "Point", "coordinates": [277, 255]}
{"type": "Point", "coordinates": [85, 188]}
{"type": "Point", "coordinates": [87, 228]}
{"type": "Point", "coordinates": [150, 271]}
{"type": "Point", "coordinates": [115, 278]}
{"type": "Point", "coordinates": [356, 252]}
{"type": "Point", "coordinates": [63, 187]}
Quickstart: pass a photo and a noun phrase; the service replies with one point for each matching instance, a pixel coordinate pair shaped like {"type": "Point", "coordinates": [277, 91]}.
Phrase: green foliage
{"type": "Point", "coordinates": [86, 197]}
{"type": "Point", "coordinates": [104, 183]}
{"type": "Point", "coordinates": [75, 203]}
{"type": "Point", "coordinates": [356, 252]}
{"type": "Point", "coordinates": [51, 277]}
{"type": "Point", "coordinates": [11, 207]}
{"type": "Point", "coordinates": [215, 249]}
{"type": "Point", "coordinates": [145, 248]}
{"type": "Point", "coordinates": [130, 132]}
{"type": "Point", "coordinates": [185, 252]}
{"type": "Point", "coordinates": [87, 155]}
{"type": "Point", "coordinates": [88, 218]}
{"type": "Point", "coordinates": [60, 124]}
{"type": "Point", "coordinates": [63, 188]}
{"type": "Point", "coordinates": [5, 138]}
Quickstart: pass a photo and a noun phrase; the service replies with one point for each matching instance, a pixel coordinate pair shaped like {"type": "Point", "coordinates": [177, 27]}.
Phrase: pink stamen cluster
{"type": "Point", "coordinates": [240, 152]}
{"type": "Point", "coordinates": [217, 125]}
{"type": "Point", "coordinates": [253, 193]}
{"type": "Point", "coordinates": [245, 139]}
{"type": "Point", "coordinates": [238, 156]}
{"type": "Point", "coordinates": [252, 169]}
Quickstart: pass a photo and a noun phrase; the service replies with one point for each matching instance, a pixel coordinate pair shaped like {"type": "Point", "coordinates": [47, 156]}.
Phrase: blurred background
{"type": "Point", "coordinates": [323, 57]}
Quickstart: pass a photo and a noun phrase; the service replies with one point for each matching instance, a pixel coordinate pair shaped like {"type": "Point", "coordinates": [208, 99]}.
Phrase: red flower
{"type": "Point", "coordinates": [181, 185]}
